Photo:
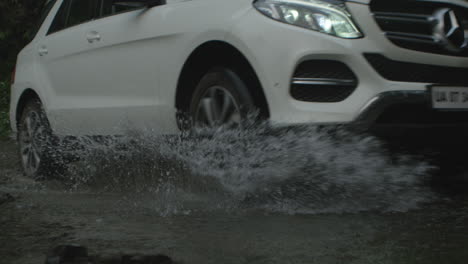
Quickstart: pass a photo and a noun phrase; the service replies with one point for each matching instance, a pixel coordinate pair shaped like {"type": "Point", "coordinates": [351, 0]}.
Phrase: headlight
{"type": "Point", "coordinates": [327, 16]}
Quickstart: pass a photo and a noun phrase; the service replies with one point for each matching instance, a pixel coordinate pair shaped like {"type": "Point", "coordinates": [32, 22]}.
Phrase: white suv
{"type": "Point", "coordinates": [98, 67]}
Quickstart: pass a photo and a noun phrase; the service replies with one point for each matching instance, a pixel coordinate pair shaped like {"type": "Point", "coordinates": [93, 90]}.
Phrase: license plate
{"type": "Point", "coordinates": [449, 97]}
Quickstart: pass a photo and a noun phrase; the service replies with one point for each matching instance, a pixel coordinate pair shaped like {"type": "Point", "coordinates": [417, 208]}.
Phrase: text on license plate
{"type": "Point", "coordinates": [449, 97]}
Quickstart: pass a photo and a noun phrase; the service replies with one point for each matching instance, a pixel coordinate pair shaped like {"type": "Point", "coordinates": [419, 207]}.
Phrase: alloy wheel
{"type": "Point", "coordinates": [32, 138]}
{"type": "Point", "coordinates": [217, 107]}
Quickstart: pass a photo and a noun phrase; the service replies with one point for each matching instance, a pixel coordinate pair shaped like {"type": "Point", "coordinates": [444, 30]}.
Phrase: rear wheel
{"type": "Point", "coordinates": [221, 98]}
{"type": "Point", "coordinates": [38, 146]}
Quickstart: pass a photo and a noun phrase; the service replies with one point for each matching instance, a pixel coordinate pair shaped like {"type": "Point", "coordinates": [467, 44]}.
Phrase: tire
{"type": "Point", "coordinates": [221, 98]}
{"type": "Point", "coordinates": [38, 147]}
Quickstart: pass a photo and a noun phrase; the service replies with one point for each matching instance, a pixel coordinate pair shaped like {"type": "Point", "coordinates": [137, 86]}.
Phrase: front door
{"type": "Point", "coordinates": [66, 66]}
{"type": "Point", "coordinates": [128, 59]}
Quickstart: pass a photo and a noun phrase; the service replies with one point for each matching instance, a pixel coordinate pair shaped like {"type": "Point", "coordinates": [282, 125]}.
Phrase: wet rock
{"type": "Point", "coordinates": [75, 254]}
{"type": "Point", "coordinates": [133, 259]}
{"type": "Point", "coordinates": [68, 254]}
{"type": "Point", "coordinates": [6, 198]}
{"type": "Point", "coordinates": [157, 259]}
{"type": "Point", "coordinates": [107, 259]}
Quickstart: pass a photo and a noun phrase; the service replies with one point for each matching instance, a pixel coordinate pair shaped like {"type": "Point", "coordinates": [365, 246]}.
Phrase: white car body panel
{"type": "Point", "coordinates": [128, 79]}
{"type": "Point", "coordinates": [275, 71]}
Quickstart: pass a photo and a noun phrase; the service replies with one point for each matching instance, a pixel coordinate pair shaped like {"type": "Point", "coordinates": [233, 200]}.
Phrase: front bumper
{"type": "Point", "coordinates": [401, 112]}
{"type": "Point", "coordinates": [377, 105]}
{"type": "Point", "coordinates": [289, 46]}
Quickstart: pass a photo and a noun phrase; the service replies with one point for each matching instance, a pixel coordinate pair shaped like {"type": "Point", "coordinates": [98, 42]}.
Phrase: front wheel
{"type": "Point", "coordinates": [38, 151]}
{"type": "Point", "coordinates": [221, 98]}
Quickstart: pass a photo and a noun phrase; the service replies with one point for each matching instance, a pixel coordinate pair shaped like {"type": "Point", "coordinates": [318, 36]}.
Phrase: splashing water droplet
{"type": "Point", "coordinates": [298, 170]}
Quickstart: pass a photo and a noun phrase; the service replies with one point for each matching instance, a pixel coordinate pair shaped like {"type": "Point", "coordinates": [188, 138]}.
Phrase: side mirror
{"type": "Point", "coordinates": [139, 3]}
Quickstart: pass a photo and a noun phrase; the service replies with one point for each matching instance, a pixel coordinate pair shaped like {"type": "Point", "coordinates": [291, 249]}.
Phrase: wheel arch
{"type": "Point", "coordinates": [211, 54]}
{"type": "Point", "coordinates": [27, 95]}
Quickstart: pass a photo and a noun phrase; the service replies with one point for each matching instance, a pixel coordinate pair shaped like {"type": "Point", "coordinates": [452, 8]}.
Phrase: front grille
{"type": "Point", "coordinates": [417, 25]}
{"type": "Point", "coordinates": [414, 72]}
{"type": "Point", "coordinates": [323, 81]}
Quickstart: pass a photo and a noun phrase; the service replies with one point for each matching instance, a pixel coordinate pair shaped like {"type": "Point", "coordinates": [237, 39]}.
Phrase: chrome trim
{"type": "Point", "coordinates": [323, 81]}
{"type": "Point", "coordinates": [413, 37]}
{"type": "Point", "coordinates": [404, 17]}
{"type": "Point", "coordinates": [448, 29]}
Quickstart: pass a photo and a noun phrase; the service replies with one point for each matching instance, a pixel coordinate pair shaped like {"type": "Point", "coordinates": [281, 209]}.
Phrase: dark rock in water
{"type": "Point", "coordinates": [133, 259]}
{"type": "Point", "coordinates": [75, 254]}
{"type": "Point", "coordinates": [68, 254]}
{"type": "Point", "coordinates": [6, 198]}
{"type": "Point", "coordinates": [158, 259]}
{"type": "Point", "coordinates": [107, 259]}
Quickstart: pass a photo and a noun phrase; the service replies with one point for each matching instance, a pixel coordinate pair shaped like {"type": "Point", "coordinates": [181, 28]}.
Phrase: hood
{"type": "Point", "coordinates": [366, 2]}
{"type": "Point", "coordinates": [456, 2]}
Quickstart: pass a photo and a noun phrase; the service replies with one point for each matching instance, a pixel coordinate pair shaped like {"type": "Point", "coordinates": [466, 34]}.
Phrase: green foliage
{"type": "Point", "coordinates": [17, 25]}
{"type": "Point", "coordinates": [4, 105]}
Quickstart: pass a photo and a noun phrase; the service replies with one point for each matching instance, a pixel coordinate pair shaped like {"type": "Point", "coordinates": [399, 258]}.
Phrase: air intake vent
{"type": "Point", "coordinates": [426, 26]}
{"type": "Point", "coordinates": [323, 81]}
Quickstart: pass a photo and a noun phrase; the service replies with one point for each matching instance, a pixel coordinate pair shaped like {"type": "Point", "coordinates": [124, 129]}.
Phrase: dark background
{"type": "Point", "coordinates": [17, 21]}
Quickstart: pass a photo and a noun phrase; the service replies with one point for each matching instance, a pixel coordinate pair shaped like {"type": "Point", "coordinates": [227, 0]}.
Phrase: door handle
{"type": "Point", "coordinates": [93, 36]}
{"type": "Point", "coordinates": [43, 51]}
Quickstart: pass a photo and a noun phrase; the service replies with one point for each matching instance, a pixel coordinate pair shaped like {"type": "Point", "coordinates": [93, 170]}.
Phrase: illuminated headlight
{"type": "Point", "coordinates": [326, 16]}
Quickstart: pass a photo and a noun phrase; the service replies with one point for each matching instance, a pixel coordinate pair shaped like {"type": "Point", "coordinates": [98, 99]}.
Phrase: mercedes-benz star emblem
{"type": "Point", "coordinates": [449, 31]}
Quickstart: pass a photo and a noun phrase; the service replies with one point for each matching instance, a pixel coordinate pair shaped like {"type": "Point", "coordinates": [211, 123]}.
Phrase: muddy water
{"type": "Point", "coordinates": [249, 196]}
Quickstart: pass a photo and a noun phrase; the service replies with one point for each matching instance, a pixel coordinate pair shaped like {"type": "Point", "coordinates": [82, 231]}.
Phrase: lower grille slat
{"type": "Point", "coordinates": [388, 17]}
{"type": "Point", "coordinates": [412, 37]}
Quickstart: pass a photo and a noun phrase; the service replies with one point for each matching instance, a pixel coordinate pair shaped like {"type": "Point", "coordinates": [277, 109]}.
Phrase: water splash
{"type": "Point", "coordinates": [302, 170]}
